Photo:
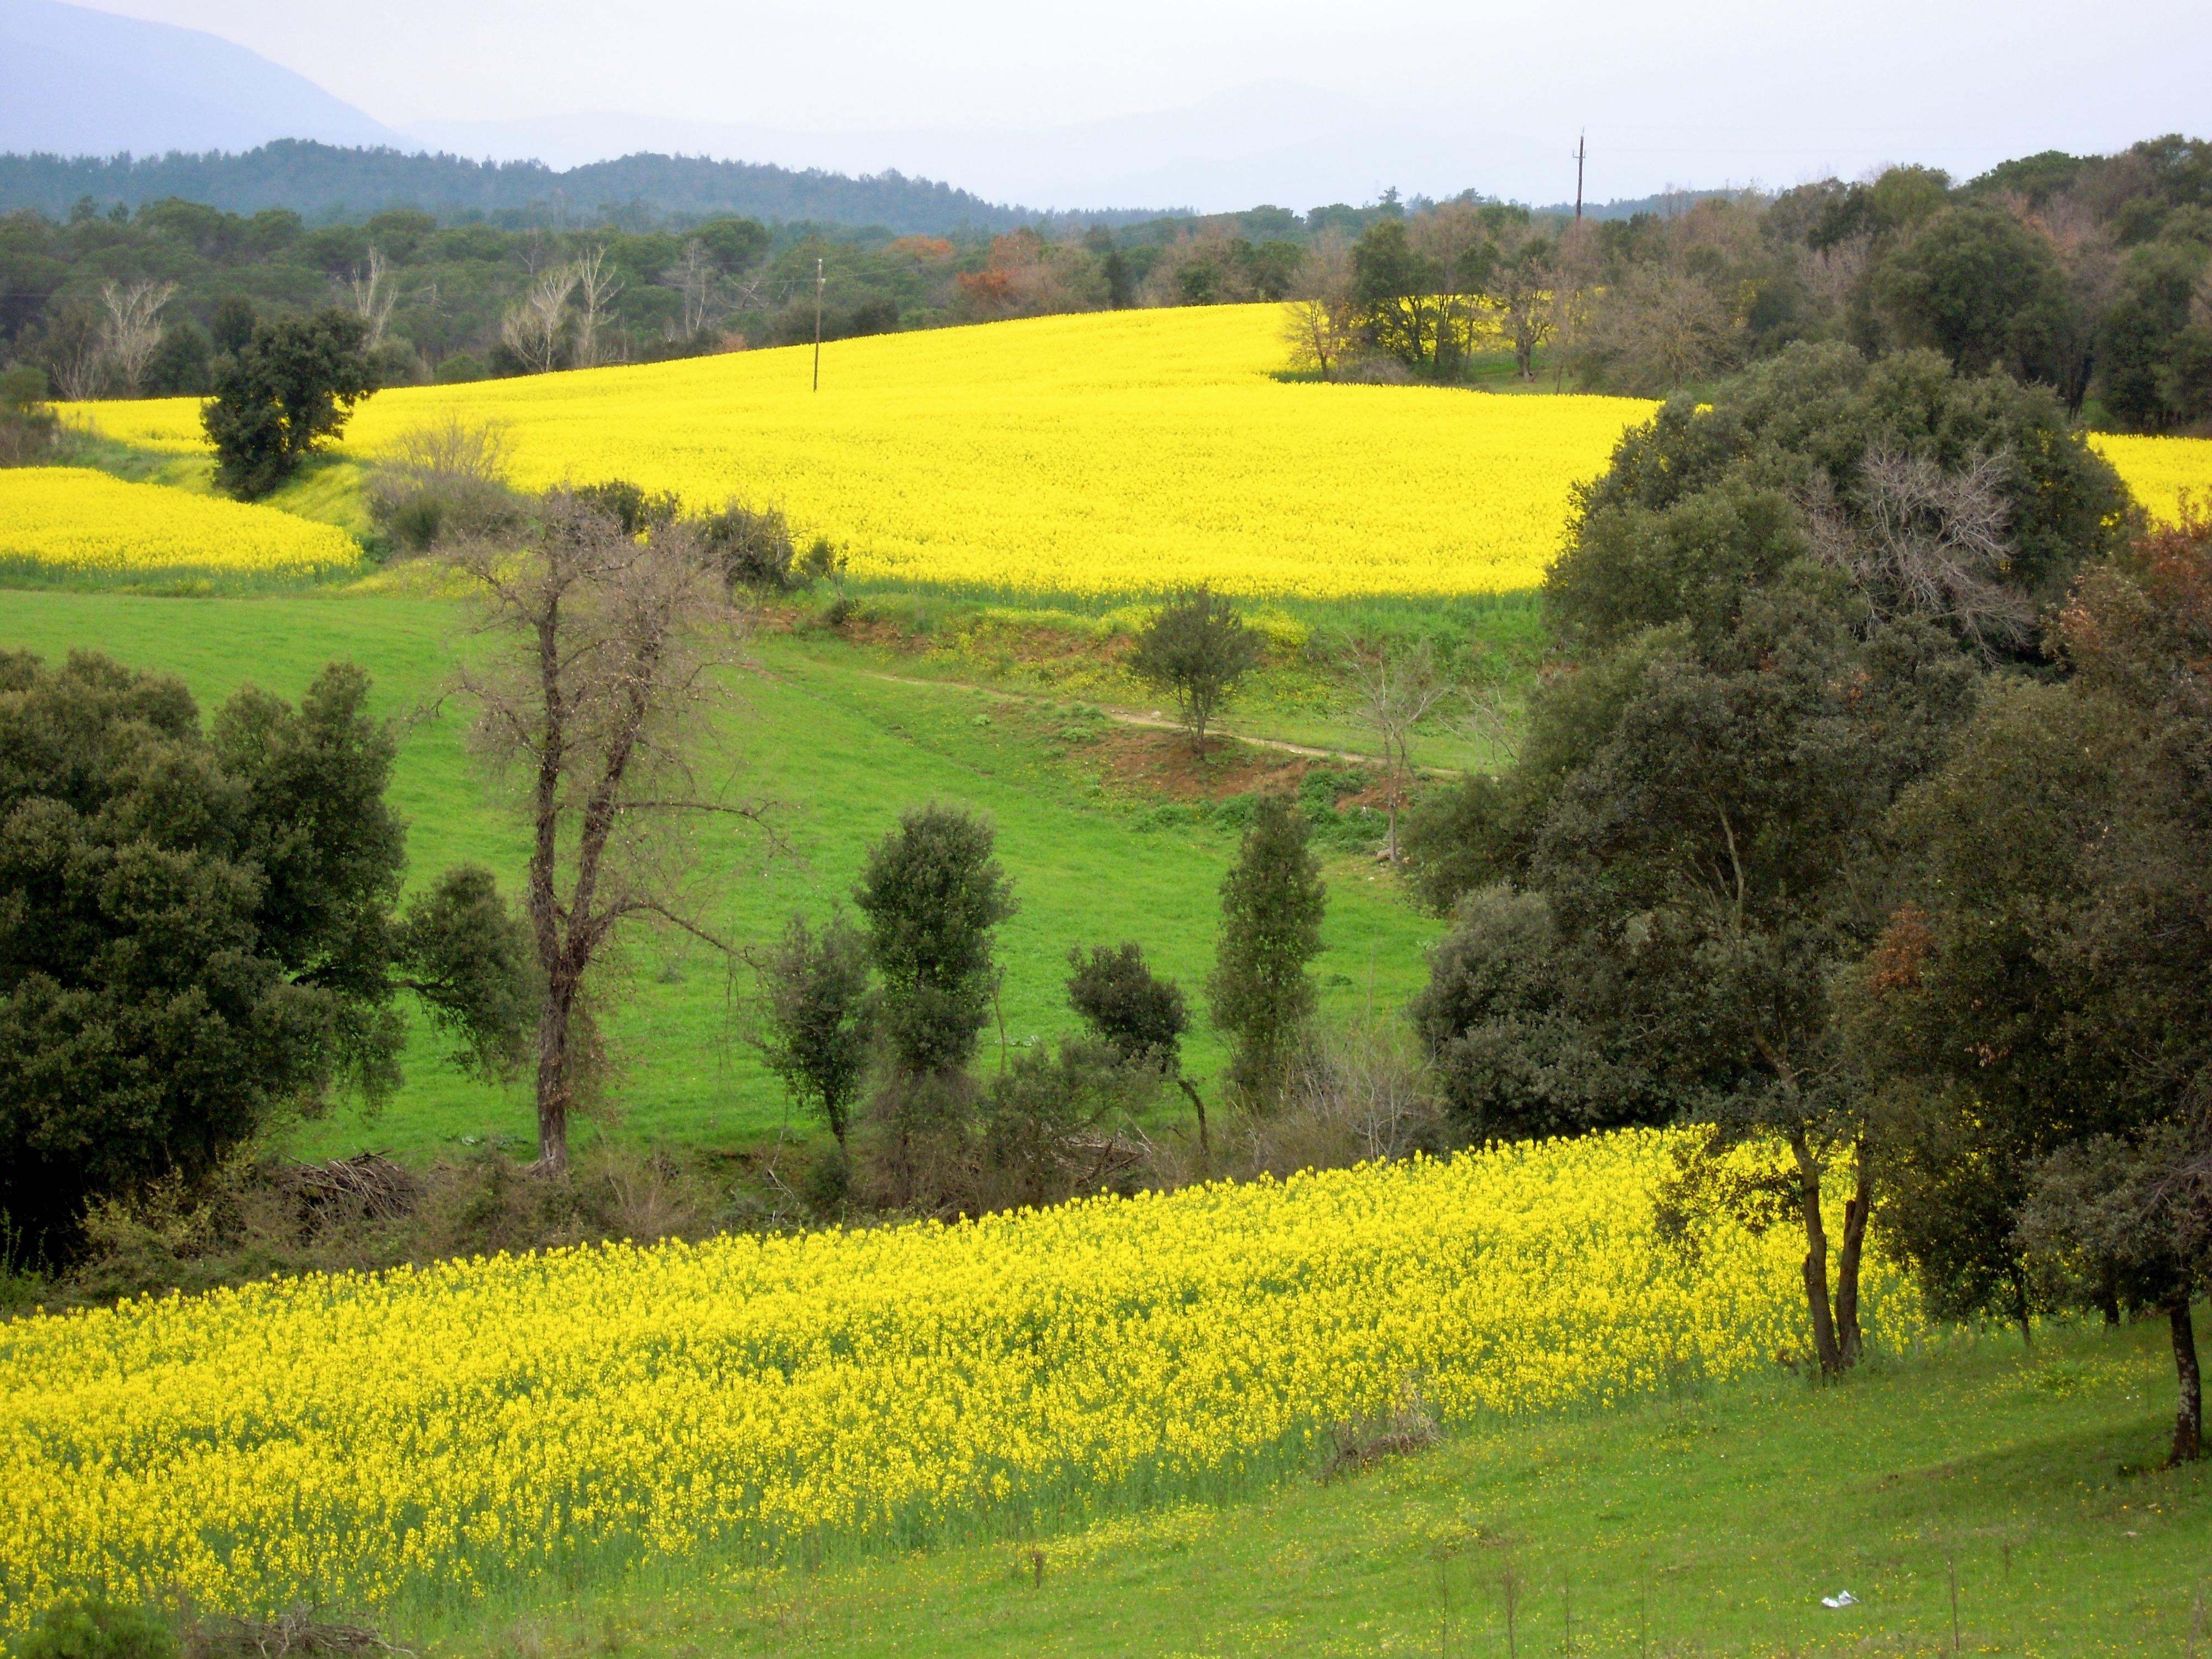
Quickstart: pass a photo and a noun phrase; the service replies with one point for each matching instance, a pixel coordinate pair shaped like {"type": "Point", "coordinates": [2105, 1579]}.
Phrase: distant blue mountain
{"type": "Point", "coordinates": [74, 81]}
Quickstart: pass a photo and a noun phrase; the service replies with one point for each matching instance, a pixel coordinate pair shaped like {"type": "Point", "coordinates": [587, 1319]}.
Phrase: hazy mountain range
{"type": "Point", "coordinates": [1276, 142]}
{"type": "Point", "coordinates": [82, 82]}
{"type": "Point", "coordinates": [79, 83]}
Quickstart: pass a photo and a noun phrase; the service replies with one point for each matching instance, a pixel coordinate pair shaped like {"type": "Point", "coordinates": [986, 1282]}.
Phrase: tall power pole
{"type": "Point", "coordinates": [820, 282]}
{"type": "Point", "coordinates": [1582, 147]}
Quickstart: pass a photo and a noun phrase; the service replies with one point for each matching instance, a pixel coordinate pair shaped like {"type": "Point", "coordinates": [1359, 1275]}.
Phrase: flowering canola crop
{"type": "Point", "coordinates": [2159, 471]}
{"type": "Point", "coordinates": [1114, 454]}
{"type": "Point", "coordinates": [432, 1432]}
{"type": "Point", "coordinates": [66, 520]}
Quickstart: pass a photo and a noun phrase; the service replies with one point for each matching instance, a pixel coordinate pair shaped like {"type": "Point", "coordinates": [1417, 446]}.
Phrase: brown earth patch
{"type": "Point", "coordinates": [1147, 760]}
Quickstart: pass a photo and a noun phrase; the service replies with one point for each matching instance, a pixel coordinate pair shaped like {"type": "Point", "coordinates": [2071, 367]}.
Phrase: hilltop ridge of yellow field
{"type": "Point", "coordinates": [1101, 455]}
{"type": "Point", "coordinates": [1106, 453]}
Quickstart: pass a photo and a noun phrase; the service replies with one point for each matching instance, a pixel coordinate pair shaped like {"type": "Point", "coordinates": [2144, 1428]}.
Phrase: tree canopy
{"type": "Point", "coordinates": [200, 931]}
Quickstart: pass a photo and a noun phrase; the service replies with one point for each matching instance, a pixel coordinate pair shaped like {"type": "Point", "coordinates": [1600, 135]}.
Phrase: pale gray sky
{"type": "Point", "coordinates": [1705, 92]}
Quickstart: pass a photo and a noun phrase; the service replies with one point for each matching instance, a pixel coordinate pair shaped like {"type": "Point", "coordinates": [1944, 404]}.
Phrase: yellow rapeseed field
{"type": "Point", "coordinates": [70, 519]}
{"type": "Point", "coordinates": [433, 1433]}
{"type": "Point", "coordinates": [2160, 471]}
{"type": "Point", "coordinates": [1116, 454]}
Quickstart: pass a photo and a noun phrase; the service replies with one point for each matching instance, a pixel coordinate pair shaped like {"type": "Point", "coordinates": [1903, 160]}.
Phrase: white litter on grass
{"type": "Point", "coordinates": [1840, 1598]}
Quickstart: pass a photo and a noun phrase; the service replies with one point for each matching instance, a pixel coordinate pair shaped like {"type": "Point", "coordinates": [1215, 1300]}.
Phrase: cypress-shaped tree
{"type": "Point", "coordinates": [1272, 902]}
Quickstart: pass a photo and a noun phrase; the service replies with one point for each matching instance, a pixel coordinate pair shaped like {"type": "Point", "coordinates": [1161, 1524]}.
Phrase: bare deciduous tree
{"type": "Point", "coordinates": [533, 325]}
{"type": "Point", "coordinates": [696, 277]}
{"type": "Point", "coordinates": [374, 293]}
{"type": "Point", "coordinates": [1657, 330]}
{"type": "Point", "coordinates": [1318, 324]}
{"type": "Point", "coordinates": [1522, 284]}
{"type": "Point", "coordinates": [76, 350]}
{"type": "Point", "coordinates": [132, 331]}
{"type": "Point", "coordinates": [1395, 692]}
{"type": "Point", "coordinates": [1928, 543]}
{"type": "Point", "coordinates": [1575, 277]}
{"type": "Point", "coordinates": [600, 696]}
{"type": "Point", "coordinates": [597, 288]}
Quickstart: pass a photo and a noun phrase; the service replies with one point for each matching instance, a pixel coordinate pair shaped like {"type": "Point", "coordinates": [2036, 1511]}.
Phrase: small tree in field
{"type": "Point", "coordinates": [1272, 904]}
{"type": "Point", "coordinates": [1139, 1016]}
{"type": "Point", "coordinates": [817, 987]}
{"type": "Point", "coordinates": [281, 394]}
{"type": "Point", "coordinates": [598, 696]}
{"type": "Point", "coordinates": [1393, 692]}
{"type": "Point", "coordinates": [1119, 998]}
{"type": "Point", "coordinates": [1197, 650]}
{"type": "Point", "coordinates": [933, 894]}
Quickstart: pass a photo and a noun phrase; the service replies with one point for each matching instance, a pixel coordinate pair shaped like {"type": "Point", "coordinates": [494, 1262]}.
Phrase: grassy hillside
{"type": "Point", "coordinates": [840, 747]}
{"type": "Point", "coordinates": [1711, 1524]}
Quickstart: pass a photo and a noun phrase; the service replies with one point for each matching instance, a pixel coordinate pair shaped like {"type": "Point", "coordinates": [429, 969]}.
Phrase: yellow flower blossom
{"type": "Point", "coordinates": [2159, 471]}
{"type": "Point", "coordinates": [435, 1431]}
{"type": "Point", "coordinates": [63, 519]}
{"type": "Point", "coordinates": [1115, 454]}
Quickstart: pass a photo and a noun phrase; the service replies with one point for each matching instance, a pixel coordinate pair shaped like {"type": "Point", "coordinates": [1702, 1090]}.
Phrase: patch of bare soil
{"type": "Point", "coordinates": [1147, 760]}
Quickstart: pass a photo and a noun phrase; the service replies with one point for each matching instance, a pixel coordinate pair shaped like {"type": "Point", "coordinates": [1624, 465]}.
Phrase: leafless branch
{"type": "Point", "coordinates": [1922, 541]}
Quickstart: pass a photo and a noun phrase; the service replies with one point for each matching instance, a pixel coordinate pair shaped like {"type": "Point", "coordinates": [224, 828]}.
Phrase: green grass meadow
{"type": "Point", "coordinates": [838, 748]}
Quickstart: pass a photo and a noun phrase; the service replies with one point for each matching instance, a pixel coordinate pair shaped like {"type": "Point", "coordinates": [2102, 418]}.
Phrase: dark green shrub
{"type": "Point", "coordinates": [631, 506]}
{"type": "Point", "coordinates": [29, 430]}
{"type": "Point", "coordinates": [97, 1630]}
{"type": "Point", "coordinates": [1141, 1017]}
{"type": "Point", "coordinates": [754, 547]}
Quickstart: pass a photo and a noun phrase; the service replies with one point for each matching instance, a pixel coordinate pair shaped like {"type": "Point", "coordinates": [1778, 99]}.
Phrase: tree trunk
{"type": "Point", "coordinates": [554, 1023]}
{"type": "Point", "coordinates": [544, 910]}
{"type": "Point", "coordinates": [1849, 1341]}
{"type": "Point", "coordinates": [2189, 1413]}
{"type": "Point", "coordinates": [1816, 1257]}
{"type": "Point", "coordinates": [1205, 1147]}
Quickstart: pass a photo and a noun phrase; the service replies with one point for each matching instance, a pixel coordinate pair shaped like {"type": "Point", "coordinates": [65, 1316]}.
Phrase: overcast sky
{"type": "Point", "coordinates": [1705, 93]}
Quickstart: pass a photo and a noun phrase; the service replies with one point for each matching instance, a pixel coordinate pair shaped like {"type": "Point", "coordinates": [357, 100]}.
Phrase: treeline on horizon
{"type": "Point", "coordinates": [2092, 275]}
{"type": "Point", "coordinates": [115, 303]}
{"type": "Point", "coordinates": [2086, 274]}
{"type": "Point", "coordinates": [329, 184]}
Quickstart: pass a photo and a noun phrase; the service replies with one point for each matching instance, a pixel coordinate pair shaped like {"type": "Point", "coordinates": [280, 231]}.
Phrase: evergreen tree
{"type": "Point", "coordinates": [817, 987]}
{"type": "Point", "coordinates": [198, 930]}
{"type": "Point", "coordinates": [932, 893]}
{"type": "Point", "coordinates": [279, 396]}
{"type": "Point", "coordinates": [1272, 904]}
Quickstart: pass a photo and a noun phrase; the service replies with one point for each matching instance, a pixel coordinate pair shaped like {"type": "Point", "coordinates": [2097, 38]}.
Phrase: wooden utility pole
{"type": "Point", "coordinates": [1582, 147]}
{"type": "Point", "coordinates": [820, 282]}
